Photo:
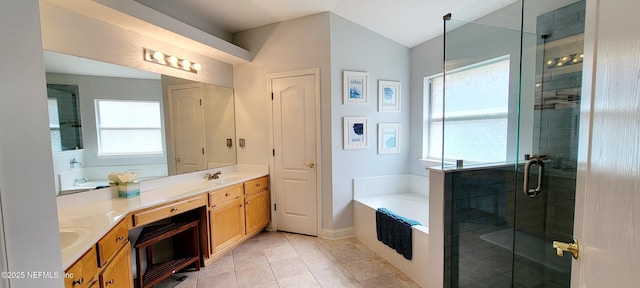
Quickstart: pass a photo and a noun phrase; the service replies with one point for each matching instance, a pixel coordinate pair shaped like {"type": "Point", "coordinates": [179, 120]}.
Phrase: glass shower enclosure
{"type": "Point", "coordinates": [507, 109]}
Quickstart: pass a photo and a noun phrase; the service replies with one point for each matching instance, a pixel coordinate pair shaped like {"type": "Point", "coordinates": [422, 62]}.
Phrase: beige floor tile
{"type": "Point", "coordinates": [320, 261]}
{"type": "Point", "coordinates": [334, 277]}
{"type": "Point", "coordinates": [366, 269]}
{"type": "Point", "coordinates": [406, 281]}
{"type": "Point", "coordinates": [348, 253]}
{"type": "Point", "coordinates": [283, 260]}
{"type": "Point", "coordinates": [304, 280]}
{"type": "Point", "coordinates": [331, 244]}
{"type": "Point", "coordinates": [249, 259]}
{"type": "Point", "coordinates": [220, 266]}
{"type": "Point", "coordinates": [384, 281]}
{"type": "Point", "coordinates": [280, 252]}
{"type": "Point", "coordinates": [288, 267]}
{"type": "Point", "coordinates": [249, 276]}
{"type": "Point", "coordinates": [223, 280]}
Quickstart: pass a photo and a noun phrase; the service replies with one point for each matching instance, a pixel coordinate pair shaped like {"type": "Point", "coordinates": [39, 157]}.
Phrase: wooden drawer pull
{"type": "Point", "coordinates": [174, 209]}
{"type": "Point", "coordinates": [119, 238]}
{"type": "Point", "coordinates": [111, 282]}
{"type": "Point", "coordinates": [258, 185]}
{"type": "Point", "coordinates": [79, 281]}
{"type": "Point", "coordinates": [227, 195]}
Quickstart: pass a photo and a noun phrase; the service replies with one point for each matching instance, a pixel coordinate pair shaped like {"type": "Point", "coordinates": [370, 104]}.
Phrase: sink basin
{"type": "Point", "coordinates": [225, 180]}
{"type": "Point", "coordinates": [72, 236]}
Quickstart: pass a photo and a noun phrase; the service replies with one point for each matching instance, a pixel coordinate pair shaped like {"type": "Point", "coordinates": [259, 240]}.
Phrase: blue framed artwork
{"type": "Point", "coordinates": [355, 133]}
{"type": "Point", "coordinates": [389, 96]}
{"type": "Point", "coordinates": [388, 138]}
{"type": "Point", "coordinates": [354, 87]}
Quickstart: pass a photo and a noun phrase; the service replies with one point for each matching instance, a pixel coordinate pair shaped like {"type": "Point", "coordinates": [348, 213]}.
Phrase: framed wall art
{"type": "Point", "coordinates": [388, 138]}
{"type": "Point", "coordinates": [355, 133]}
{"type": "Point", "coordinates": [389, 96]}
{"type": "Point", "coordinates": [354, 87]}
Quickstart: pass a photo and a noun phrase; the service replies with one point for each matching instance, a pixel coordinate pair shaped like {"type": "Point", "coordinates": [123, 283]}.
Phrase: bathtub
{"type": "Point", "coordinates": [406, 195]}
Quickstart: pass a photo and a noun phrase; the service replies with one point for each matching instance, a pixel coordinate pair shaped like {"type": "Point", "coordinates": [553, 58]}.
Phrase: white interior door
{"type": "Point", "coordinates": [608, 194]}
{"type": "Point", "coordinates": [294, 132]}
{"type": "Point", "coordinates": [187, 121]}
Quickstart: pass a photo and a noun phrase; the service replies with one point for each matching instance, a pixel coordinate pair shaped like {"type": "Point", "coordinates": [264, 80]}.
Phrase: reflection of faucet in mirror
{"type": "Point", "coordinates": [74, 163]}
{"type": "Point", "coordinates": [80, 181]}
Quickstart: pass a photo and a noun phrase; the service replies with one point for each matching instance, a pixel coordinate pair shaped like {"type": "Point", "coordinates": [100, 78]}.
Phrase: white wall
{"type": "Point", "coordinates": [354, 48]}
{"type": "Point", "coordinates": [26, 184]}
{"type": "Point", "coordinates": [286, 46]}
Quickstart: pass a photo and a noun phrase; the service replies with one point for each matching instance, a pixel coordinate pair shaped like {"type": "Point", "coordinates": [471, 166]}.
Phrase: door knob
{"type": "Point", "coordinates": [178, 159]}
{"type": "Point", "coordinates": [572, 248]}
{"type": "Point", "coordinates": [310, 165]}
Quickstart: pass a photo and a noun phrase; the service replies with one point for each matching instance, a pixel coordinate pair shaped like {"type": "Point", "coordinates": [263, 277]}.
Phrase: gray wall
{"type": "Point", "coordinates": [354, 48]}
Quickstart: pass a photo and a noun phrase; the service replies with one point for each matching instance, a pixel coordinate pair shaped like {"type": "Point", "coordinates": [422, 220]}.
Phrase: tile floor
{"type": "Point", "coordinates": [276, 259]}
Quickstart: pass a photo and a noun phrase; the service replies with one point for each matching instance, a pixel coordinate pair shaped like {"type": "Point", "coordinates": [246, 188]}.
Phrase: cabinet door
{"type": "Point", "coordinates": [83, 271]}
{"type": "Point", "coordinates": [257, 211]}
{"type": "Point", "coordinates": [227, 224]}
{"type": "Point", "coordinates": [118, 273]}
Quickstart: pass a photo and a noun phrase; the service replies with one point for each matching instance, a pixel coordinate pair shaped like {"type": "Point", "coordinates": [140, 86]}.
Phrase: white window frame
{"type": "Point", "coordinates": [99, 129]}
{"type": "Point", "coordinates": [433, 160]}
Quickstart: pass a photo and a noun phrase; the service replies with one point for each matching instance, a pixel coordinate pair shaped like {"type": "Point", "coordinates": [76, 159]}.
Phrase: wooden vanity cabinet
{"type": "Point", "coordinates": [106, 264]}
{"type": "Point", "coordinates": [118, 274]}
{"type": "Point", "coordinates": [83, 272]}
{"type": "Point", "coordinates": [236, 213]}
{"type": "Point", "coordinates": [226, 217]}
{"type": "Point", "coordinates": [256, 205]}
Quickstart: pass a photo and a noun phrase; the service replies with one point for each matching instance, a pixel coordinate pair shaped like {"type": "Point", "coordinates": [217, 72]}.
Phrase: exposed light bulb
{"type": "Point", "coordinates": [173, 60]}
{"type": "Point", "coordinates": [158, 56]}
{"type": "Point", "coordinates": [196, 66]}
{"type": "Point", "coordinates": [550, 62]}
{"type": "Point", "coordinates": [186, 64]}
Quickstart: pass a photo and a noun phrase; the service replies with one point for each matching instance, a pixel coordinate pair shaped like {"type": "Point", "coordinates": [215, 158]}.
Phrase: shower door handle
{"type": "Point", "coordinates": [532, 192]}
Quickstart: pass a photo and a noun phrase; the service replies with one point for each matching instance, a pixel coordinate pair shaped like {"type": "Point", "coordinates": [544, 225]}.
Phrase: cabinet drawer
{"type": "Point", "coordinates": [219, 196]}
{"type": "Point", "coordinates": [168, 210]}
{"type": "Point", "coordinates": [83, 271]}
{"type": "Point", "coordinates": [110, 243]}
{"type": "Point", "coordinates": [256, 185]}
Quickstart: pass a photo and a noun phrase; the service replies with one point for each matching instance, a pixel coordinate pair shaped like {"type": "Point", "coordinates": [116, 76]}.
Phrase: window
{"type": "Point", "coordinates": [128, 127]}
{"type": "Point", "coordinates": [476, 113]}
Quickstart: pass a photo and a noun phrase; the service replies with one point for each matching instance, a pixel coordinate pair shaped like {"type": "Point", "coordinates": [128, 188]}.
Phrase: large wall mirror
{"type": "Point", "coordinates": [117, 119]}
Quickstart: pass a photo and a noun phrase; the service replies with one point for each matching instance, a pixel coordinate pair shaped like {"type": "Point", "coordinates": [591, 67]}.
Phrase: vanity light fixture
{"type": "Point", "coordinates": [170, 61]}
{"type": "Point", "coordinates": [565, 60]}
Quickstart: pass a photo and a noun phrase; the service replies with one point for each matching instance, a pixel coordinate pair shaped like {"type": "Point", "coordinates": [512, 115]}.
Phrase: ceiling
{"type": "Point", "coordinates": [408, 22]}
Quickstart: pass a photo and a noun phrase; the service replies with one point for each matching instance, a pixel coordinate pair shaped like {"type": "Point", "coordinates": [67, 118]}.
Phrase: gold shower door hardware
{"type": "Point", "coordinates": [310, 165]}
{"type": "Point", "coordinates": [572, 248]}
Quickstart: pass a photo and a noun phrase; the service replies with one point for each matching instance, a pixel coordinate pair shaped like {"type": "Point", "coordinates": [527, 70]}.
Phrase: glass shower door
{"type": "Point", "coordinates": [545, 204]}
{"type": "Point", "coordinates": [513, 192]}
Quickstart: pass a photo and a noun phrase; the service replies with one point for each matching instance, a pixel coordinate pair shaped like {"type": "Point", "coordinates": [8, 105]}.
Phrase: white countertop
{"type": "Point", "coordinates": [84, 222]}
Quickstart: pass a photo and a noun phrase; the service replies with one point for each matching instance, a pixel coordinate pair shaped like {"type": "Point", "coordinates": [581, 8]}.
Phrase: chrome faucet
{"type": "Point", "coordinates": [210, 176]}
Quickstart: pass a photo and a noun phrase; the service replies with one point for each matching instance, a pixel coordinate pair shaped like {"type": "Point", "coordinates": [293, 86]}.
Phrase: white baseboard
{"type": "Point", "coordinates": [337, 233]}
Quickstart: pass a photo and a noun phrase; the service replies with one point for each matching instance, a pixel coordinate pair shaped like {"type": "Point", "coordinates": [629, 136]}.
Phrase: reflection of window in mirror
{"type": "Point", "coordinates": [64, 117]}
{"type": "Point", "coordinates": [54, 125]}
{"type": "Point", "coordinates": [128, 127]}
